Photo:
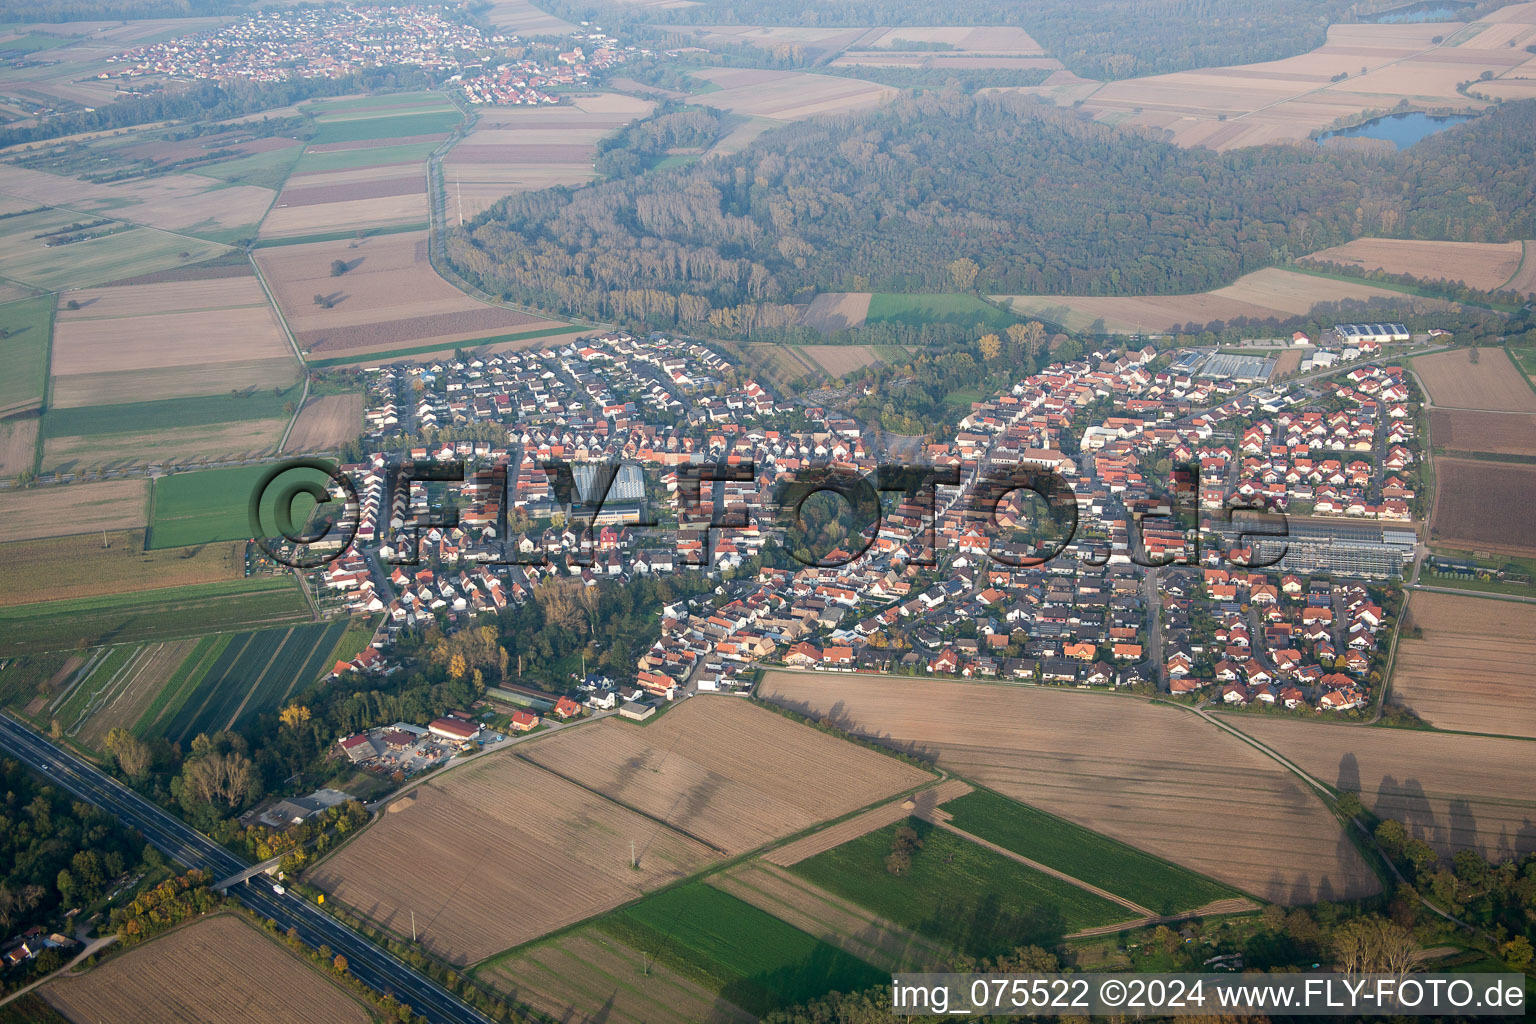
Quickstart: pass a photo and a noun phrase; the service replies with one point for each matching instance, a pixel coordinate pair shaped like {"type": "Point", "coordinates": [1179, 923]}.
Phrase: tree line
{"type": "Point", "coordinates": [1039, 200]}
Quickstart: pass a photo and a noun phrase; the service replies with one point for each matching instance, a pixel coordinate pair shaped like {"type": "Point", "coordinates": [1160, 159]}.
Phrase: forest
{"type": "Point", "coordinates": [1095, 38]}
{"type": "Point", "coordinates": [994, 195]}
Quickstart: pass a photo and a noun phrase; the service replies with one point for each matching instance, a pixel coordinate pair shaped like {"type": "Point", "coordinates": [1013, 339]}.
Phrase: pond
{"type": "Point", "coordinates": [1402, 130]}
{"type": "Point", "coordinates": [1426, 10]}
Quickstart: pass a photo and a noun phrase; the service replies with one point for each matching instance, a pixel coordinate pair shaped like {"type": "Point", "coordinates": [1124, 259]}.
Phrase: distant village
{"type": "Point", "coordinates": [337, 40]}
{"type": "Point", "coordinates": [1293, 623]}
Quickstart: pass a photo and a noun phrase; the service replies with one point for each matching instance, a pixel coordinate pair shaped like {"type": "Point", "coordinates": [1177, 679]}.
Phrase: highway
{"type": "Point", "coordinates": [370, 964]}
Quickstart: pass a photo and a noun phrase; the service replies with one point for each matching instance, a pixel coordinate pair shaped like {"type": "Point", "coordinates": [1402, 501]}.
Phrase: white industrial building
{"type": "Point", "coordinates": [1354, 334]}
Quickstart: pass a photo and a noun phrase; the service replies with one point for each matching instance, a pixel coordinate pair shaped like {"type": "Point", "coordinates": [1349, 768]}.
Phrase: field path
{"type": "Point", "coordinates": [1135, 908]}
{"type": "Point", "coordinates": [922, 803]}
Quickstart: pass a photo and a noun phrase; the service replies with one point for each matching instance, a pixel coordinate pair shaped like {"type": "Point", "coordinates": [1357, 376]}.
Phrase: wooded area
{"type": "Point", "coordinates": [1000, 195]}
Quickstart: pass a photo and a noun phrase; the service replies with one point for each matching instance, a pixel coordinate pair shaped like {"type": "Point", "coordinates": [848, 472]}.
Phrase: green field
{"type": "Point", "coordinates": [375, 156]}
{"type": "Point", "coordinates": [363, 106]}
{"type": "Point", "coordinates": [337, 236]}
{"type": "Point", "coordinates": [127, 253]}
{"type": "Point", "coordinates": [393, 126]}
{"type": "Point", "coordinates": [214, 504]}
{"type": "Point", "coordinates": [168, 413]}
{"type": "Point", "coordinates": [266, 170]}
{"type": "Point", "coordinates": [745, 955]}
{"type": "Point", "coordinates": [27, 325]}
{"type": "Point", "coordinates": [956, 892]}
{"type": "Point", "coordinates": [21, 678]}
{"type": "Point", "coordinates": [174, 693]}
{"type": "Point", "coordinates": [1096, 859]}
{"type": "Point", "coordinates": [167, 614]}
{"type": "Point", "coordinates": [964, 310]}
{"type": "Point", "coordinates": [254, 672]}
{"type": "Point", "coordinates": [103, 670]}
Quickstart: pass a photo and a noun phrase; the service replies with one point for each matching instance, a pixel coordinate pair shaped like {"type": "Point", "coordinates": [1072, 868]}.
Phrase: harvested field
{"type": "Point", "coordinates": [1485, 265]}
{"type": "Point", "coordinates": [840, 360]}
{"type": "Point", "coordinates": [519, 149]}
{"type": "Point", "coordinates": [1289, 361]}
{"type": "Point", "coordinates": [1484, 506]}
{"type": "Point", "coordinates": [219, 970]}
{"type": "Point", "coordinates": [18, 445]}
{"type": "Point", "coordinates": [500, 852]}
{"type": "Point", "coordinates": [790, 95]}
{"type": "Point", "coordinates": [1451, 791]}
{"type": "Point", "coordinates": [244, 439]}
{"type": "Point", "coordinates": [744, 777]}
{"type": "Point", "coordinates": [348, 215]}
{"type": "Point", "coordinates": [586, 975]}
{"type": "Point", "coordinates": [525, 19]}
{"type": "Point", "coordinates": [131, 343]}
{"type": "Point", "coordinates": [1262, 295]}
{"type": "Point", "coordinates": [1496, 639]}
{"type": "Point", "coordinates": [379, 188]}
{"type": "Point", "coordinates": [1151, 787]}
{"type": "Point", "coordinates": [836, 311]}
{"type": "Point", "coordinates": [73, 508]}
{"type": "Point", "coordinates": [922, 804]}
{"type": "Point", "coordinates": [833, 920]}
{"type": "Point", "coordinates": [59, 568]}
{"type": "Point", "coordinates": [326, 422]}
{"type": "Point", "coordinates": [1492, 384]}
{"type": "Point", "coordinates": [1501, 433]}
{"type": "Point", "coordinates": [390, 298]}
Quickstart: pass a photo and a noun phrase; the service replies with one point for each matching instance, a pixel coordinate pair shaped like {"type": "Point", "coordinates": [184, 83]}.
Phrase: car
{"type": "Point", "coordinates": [279, 889]}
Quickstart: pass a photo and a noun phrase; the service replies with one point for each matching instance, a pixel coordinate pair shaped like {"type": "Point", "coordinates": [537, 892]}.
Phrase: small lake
{"type": "Point", "coordinates": [1402, 130]}
{"type": "Point", "coordinates": [1427, 10]}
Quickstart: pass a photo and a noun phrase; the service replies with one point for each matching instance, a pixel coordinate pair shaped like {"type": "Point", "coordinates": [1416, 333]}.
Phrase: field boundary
{"type": "Point", "coordinates": [1525, 255]}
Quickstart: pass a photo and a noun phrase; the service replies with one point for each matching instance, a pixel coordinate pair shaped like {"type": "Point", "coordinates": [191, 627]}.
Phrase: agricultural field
{"type": "Point", "coordinates": [188, 204]}
{"type": "Point", "coordinates": [116, 689]}
{"type": "Point", "coordinates": [1430, 675]}
{"type": "Point", "coordinates": [965, 310]}
{"type": "Point", "coordinates": [1286, 100]}
{"type": "Point", "coordinates": [789, 95]}
{"type": "Point", "coordinates": [326, 422]}
{"type": "Point", "coordinates": [1497, 433]}
{"type": "Point", "coordinates": [836, 311]}
{"type": "Point", "coordinates": [840, 360]}
{"type": "Point", "coordinates": [521, 149]}
{"type": "Point", "coordinates": [500, 852]}
{"type": "Point", "coordinates": [956, 892]}
{"type": "Point", "coordinates": [1151, 788]}
{"type": "Point", "coordinates": [1453, 791]}
{"type": "Point", "coordinates": [743, 777]}
{"type": "Point", "coordinates": [523, 18]}
{"type": "Point", "coordinates": [156, 342]}
{"type": "Point", "coordinates": [91, 565]}
{"type": "Point", "coordinates": [389, 298]}
{"type": "Point", "coordinates": [920, 804]}
{"type": "Point", "coordinates": [169, 447]}
{"type": "Point", "coordinates": [587, 973]}
{"type": "Point", "coordinates": [214, 505]}
{"type": "Point", "coordinates": [748, 957]}
{"type": "Point", "coordinates": [1483, 265]}
{"type": "Point", "coordinates": [218, 970]}
{"type": "Point", "coordinates": [1524, 280]}
{"type": "Point", "coordinates": [1266, 294]}
{"type": "Point", "coordinates": [24, 330]}
{"type": "Point", "coordinates": [1492, 384]}
{"type": "Point", "coordinates": [127, 250]}
{"type": "Point", "coordinates": [247, 675]}
{"type": "Point", "coordinates": [1098, 860]}
{"type": "Point", "coordinates": [165, 614]}
{"type": "Point", "coordinates": [1484, 506]}
{"type": "Point", "coordinates": [18, 445]}
{"type": "Point", "coordinates": [832, 919]}
{"type": "Point", "coordinates": [76, 508]}
{"type": "Point", "coordinates": [948, 48]}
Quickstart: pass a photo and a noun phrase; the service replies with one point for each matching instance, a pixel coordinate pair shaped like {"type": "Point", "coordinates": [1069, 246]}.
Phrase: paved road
{"type": "Point", "coordinates": [367, 962]}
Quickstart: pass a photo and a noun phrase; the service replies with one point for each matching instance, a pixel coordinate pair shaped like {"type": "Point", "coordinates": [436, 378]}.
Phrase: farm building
{"type": "Point", "coordinates": [453, 729]}
{"type": "Point", "coordinates": [1354, 334]}
{"type": "Point", "coordinates": [638, 712]}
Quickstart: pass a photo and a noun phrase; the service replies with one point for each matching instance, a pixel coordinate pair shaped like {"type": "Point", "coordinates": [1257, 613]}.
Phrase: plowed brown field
{"type": "Point", "coordinates": [1472, 670]}
{"type": "Point", "coordinates": [1492, 384]}
{"type": "Point", "coordinates": [218, 971]}
{"type": "Point", "coordinates": [1155, 777]}
{"type": "Point", "coordinates": [733, 775]}
{"type": "Point", "coordinates": [498, 853]}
